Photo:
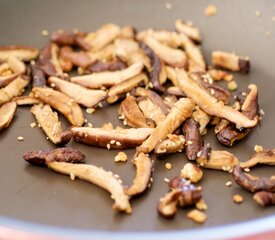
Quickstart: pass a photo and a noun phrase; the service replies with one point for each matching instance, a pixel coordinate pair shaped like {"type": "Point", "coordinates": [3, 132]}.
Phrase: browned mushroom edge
{"type": "Point", "coordinates": [252, 183]}
{"type": "Point", "coordinates": [111, 138]}
{"type": "Point", "coordinates": [264, 198]}
{"type": "Point", "coordinates": [189, 30]}
{"type": "Point", "coordinates": [38, 75]}
{"type": "Point", "coordinates": [7, 112]}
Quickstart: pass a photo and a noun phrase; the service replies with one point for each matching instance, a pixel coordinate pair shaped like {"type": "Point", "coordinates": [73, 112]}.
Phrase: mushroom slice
{"type": "Point", "coordinates": [171, 56]}
{"type": "Point", "coordinates": [193, 51]}
{"type": "Point", "coordinates": [99, 177]}
{"type": "Point", "coordinates": [154, 97]}
{"type": "Point", "coordinates": [150, 110]}
{"type": "Point", "coordinates": [107, 79]}
{"type": "Point", "coordinates": [157, 73]}
{"type": "Point", "coordinates": [230, 61]}
{"type": "Point", "coordinates": [7, 112]}
{"type": "Point", "coordinates": [218, 75]}
{"type": "Point", "coordinates": [50, 124]}
{"type": "Point", "coordinates": [264, 198]}
{"type": "Point", "coordinates": [132, 114]}
{"type": "Point", "coordinates": [38, 75]}
{"type": "Point", "coordinates": [120, 89]}
{"type": "Point", "coordinates": [202, 118]}
{"type": "Point", "coordinates": [16, 65]}
{"type": "Point", "coordinates": [182, 109]}
{"type": "Point", "coordinates": [105, 54]}
{"type": "Point", "coordinates": [26, 100]}
{"type": "Point", "coordinates": [213, 159]}
{"type": "Point", "coordinates": [144, 166]}
{"type": "Point", "coordinates": [193, 138]}
{"type": "Point", "coordinates": [118, 138]}
{"type": "Point", "coordinates": [128, 31]}
{"type": "Point", "coordinates": [264, 157]}
{"type": "Point", "coordinates": [70, 57]}
{"type": "Point", "coordinates": [168, 38]}
{"type": "Point", "coordinates": [13, 89]}
{"type": "Point", "coordinates": [129, 51]}
{"type": "Point", "coordinates": [24, 53]}
{"type": "Point", "coordinates": [252, 183]}
{"type": "Point", "coordinates": [189, 30]}
{"type": "Point", "coordinates": [167, 206]}
{"type": "Point", "coordinates": [62, 103]}
{"type": "Point", "coordinates": [173, 143]}
{"type": "Point", "coordinates": [100, 66]}
{"type": "Point", "coordinates": [65, 62]}
{"type": "Point", "coordinates": [103, 36]}
{"type": "Point", "coordinates": [226, 132]}
{"type": "Point", "coordinates": [209, 104]}
{"type": "Point", "coordinates": [42, 158]}
{"type": "Point", "coordinates": [86, 97]}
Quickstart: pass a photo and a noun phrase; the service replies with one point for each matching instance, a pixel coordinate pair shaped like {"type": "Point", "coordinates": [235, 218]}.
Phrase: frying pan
{"type": "Point", "coordinates": [40, 202]}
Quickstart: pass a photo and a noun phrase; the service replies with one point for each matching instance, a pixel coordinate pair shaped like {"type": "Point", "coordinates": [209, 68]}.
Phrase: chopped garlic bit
{"type": "Point", "coordinates": [228, 184]}
{"type": "Point", "coordinates": [121, 157]}
{"type": "Point", "coordinates": [166, 180]}
{"type": "Point", "coordinates": [72, 176]}
{"type": "Point", "coordinates": [237, 198]}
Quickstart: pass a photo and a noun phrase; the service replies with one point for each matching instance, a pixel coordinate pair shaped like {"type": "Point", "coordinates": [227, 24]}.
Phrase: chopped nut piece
{"type": "Point", "coordinates": [168, 166]}
{"type": "Point", "coordinates": [166, 180]}
{"type": "Point", "coordinates": [192, 172]}
{"type": "Point", "coordinates": [201, 205]}
{"type": "Point", "coordinates": [210, 10]}
{"type": "Point", "coordinates": [237, 198]}
{"type": "Point", "coordinates": [20, 138]}
{"type": "Point", "coordinates": [246, 169]}
{"type": "Point", "coordinates": [121, 157]}
{"type": "Point", "coordinates": [197, 216]}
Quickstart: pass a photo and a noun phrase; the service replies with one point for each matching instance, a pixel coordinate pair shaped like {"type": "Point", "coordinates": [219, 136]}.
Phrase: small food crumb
{"type": "Point", "coordinates": [166, 180]}
{"type": "Point", "coordinates": [228, 184]}
{"type": "Point", "coordinates": [168, 6]}
{"type": "Point", "coordinates": [20, 138]}
{"type": "Point", "coordinates": [247, 169]}
{"type": "Point", "coordinates": [258, 148]}
{"type": "Point", "coordinates": [52, 85]}
{"type": "Point", "coordinates": [201, 205]}
{"type": "Point", "coordinates": [232, 86]}
{"type": "Point", "coordinates": [262, 112]}
{"type": "Point", "coordinates": [168, 166]}
{"type": "Point", "coordinates": [90, 110]}
{"type": "Point", "coordinates": [33, 125]}
{"type": "Point", "coordinates": [210, 10]}
{"type": "Point", "coordinates": [258, 13]}
{"type": "Point", "coordinates": [237, 198]}
{"type": "Point", "coordinates": [189, 142]}
{"type": "Point", "coordinates": [197, 216]}
{"type": "Point", "coordinates": [85, 120]}
{"type": "Point", "coordinates": [44, 33]}
{"type": "Point", "coordinates": [121, 157]}
{"type": "Point", "coordinates": [72, 176]}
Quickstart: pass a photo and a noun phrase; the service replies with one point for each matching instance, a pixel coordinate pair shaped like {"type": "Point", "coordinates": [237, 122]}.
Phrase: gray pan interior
{"type": "Point", "coordinates": [39, 195]}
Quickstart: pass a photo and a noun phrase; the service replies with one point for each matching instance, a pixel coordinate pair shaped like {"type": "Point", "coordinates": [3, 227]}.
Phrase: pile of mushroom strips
{"type": "Point", "coordinates": [168, 96]}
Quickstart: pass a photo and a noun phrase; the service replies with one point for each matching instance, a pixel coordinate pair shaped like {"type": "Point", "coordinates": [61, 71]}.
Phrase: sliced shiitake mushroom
{"type": "Point", "coordinates": [7, 112]}
{"type": "Point", "coordinates": [62, 103]}
{"type": "Point", "coordinates": [38, 75]}
{"type": "Point", "coordinates": [101, 66]}
{"type": "Point", "coordinates": [108, 79]}
{"type": "Point", "coordinates": [86, 97]}
{"type": "Point", "coordinates": [24, 53]}
{"type": "Point", "coordinates": [202, 118]}
{"type": "Point", "coordinates": [50, 124]}
{"type": "Point", "coordinates": [177, 115]}
{"type": "Point", "coordinates": [144, 168]}
{"type": "Point", "coordinates": [189, 30]}
{"type": "Point", "coordinates": [264, 198]}
{"type": "Point", "coordinates": [26, 100]}
{"type": "Point", "coordinates": [209, 104]}
{"type": "Point", "coordinates": [118, 138]}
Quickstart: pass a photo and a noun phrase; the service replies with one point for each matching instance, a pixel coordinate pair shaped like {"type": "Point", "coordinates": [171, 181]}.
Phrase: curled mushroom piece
{"type": "Point", "coordinates": [102, 37]}
{"type": "Point", "coordinates": [173, 143]}
{"type": "Point", "coordinates": [213, 159]}
{"type": "Point", "coordinates": [132, 115]}
{"type": "Point", "coordinates": [7, 112]}
{"type": "Point", "coordinates": [182, 194]}
{"type": "Point", "coordinates": [171, 56]}
{"type": "Point", "coordinates": [24, 53]}
{"type": "Point", "coordinates": [252, 183]}
{"type": "Point", "coordinates": [189, 30]}
{"type": "Point", "coordinates": [118, 138]}
{"type": "Point", "coordinates": [42, 158]}
{"type": "Point", "coordinates": [100, 66]}
{"type": "Point", "coordinates": [86, 97]}
{"type": "Point", "coordinates": [264, 198]}
{"type": "Point", "coordinates": [264, 157]}
{"type": "Point", "coordinates": [177, 115]}
{"type": "Point", "coordinates": [209, 104]}
{"type": "Point", "coordinates": [226, 132]}
{"type": "Point", "coordinates": [120, 89]}
{"type": "Point", "coordinates": [144, 166]}
{"type": "Point", "coordinates": [50, 124]}
{"type": "Point", "coordinates": [230, 61]}
{"type": "Point", "coordinates": [108, 79]}
{"type": "Point", "coordinates": [62, 103]}
{"type": "Point", "coordinates": [202, 118]}
{"type": "Point", "coordinates": [26, 100]}
{"type": "Point", "coordinates": [13, 89]}
{"type": "Point", "coordinates": [193, 138]}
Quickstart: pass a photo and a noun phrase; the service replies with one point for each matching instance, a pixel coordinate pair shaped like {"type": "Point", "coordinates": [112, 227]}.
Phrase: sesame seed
{"type": "Point", "coordinates": [90, 125]}
{"type": "Point", "coordinates": [52, 85]}
{"type": "Point", "coordinates": [20, 138]}
{"type": "Point", "coordinates": [112, 141]}
{"type": "Point", "coordinates": [247, 169]}
{"type": "Point", "coordinates": [108, 146]}
{"type": "Point", "coordinates": [212, 91]}
{"type": "Point", "coordinates": [121, 117]}
{"type": "Point", "coordinates": [125, 122]}
{"type": "Point", "coordinates": [33, 125]}
{"type": "Point", "coordinates": [228, 184]}
{"type": "Point", "coordinates": [85, 120]}
{"type": "Point", "coordinates": [166, 180]}
{"type": "Point", "coordinates": [168, 166]}
{"type": "Point", "coordinates": [72, 176]}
